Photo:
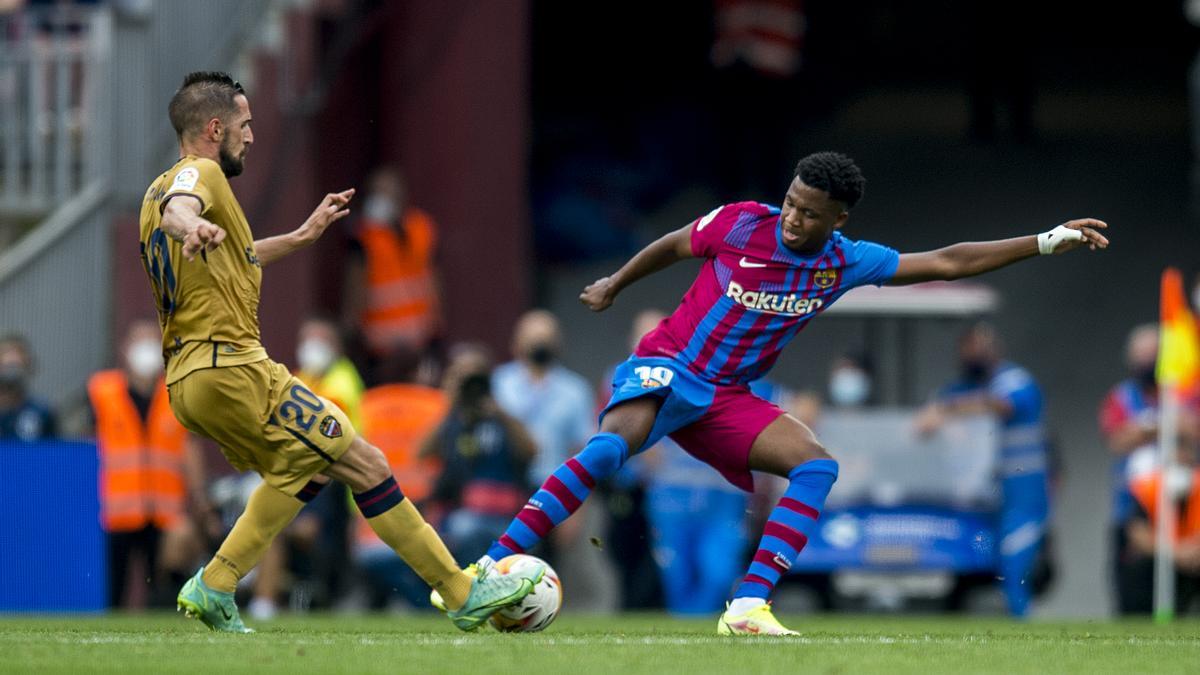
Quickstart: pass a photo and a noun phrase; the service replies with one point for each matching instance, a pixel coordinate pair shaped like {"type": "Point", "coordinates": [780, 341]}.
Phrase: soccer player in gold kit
{"type": "Point", "coordinates": [205, 268]}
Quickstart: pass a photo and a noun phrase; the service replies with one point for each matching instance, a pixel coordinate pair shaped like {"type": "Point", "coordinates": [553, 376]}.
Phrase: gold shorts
{"type": "Point", "coordinates": [265, 420]}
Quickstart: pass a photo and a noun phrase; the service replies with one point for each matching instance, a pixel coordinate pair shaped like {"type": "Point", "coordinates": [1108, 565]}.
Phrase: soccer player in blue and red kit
{"type": "Point", "coordinates": [767, 272]}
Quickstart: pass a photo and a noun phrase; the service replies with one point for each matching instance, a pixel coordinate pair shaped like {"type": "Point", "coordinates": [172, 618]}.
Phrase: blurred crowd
{"type": "Point", "coordinates": [468, 439]}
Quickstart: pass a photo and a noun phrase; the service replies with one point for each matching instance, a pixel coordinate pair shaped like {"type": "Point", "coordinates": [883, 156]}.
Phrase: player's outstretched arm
{"type": "Point", "coordinates": [976, 257]}
{"type": "Point", "coordinates": [182, 222]}
{"type": "Point", "coordinates": [662, 253]}
{"type": "Point", "coordinates": [331, 209]}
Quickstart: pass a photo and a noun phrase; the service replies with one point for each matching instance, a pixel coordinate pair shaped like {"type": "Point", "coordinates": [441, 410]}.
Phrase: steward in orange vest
{"type": "Point", "coordinates": [397, 418]}
{"type": "Point", "coordinates": [395, 290]}
{"type": "Point", "coordinates": [141, 460]}
{"type": "Point", "coordinates": [1145, 490]}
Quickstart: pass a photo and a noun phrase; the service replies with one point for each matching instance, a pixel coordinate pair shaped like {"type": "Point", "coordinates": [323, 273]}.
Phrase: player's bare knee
{"type": "Point", "coordinates": [806, 451]}
{"type": "Point", "coordinates": [632, 420]}
{"type": "Point", "coordinates": [816, 451]}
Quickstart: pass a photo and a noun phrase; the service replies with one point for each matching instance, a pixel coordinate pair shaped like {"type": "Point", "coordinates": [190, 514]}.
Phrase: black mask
{"type": "Point", "coordinates": [13, 378]}
{"type": "Point", "coordinates": [1146, 376]}
{"type": "Point", "coordinates": [542, 355]}
{"type": "Point", "coordinates": [975, 370]}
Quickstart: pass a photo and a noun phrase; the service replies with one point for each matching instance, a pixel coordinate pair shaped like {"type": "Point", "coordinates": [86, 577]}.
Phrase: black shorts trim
{"type": "Point", "coordinates": [310, 445]}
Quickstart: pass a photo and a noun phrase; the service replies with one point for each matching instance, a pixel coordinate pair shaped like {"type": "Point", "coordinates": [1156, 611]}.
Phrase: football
{"type": "Point", "coordinates": [539, 608]}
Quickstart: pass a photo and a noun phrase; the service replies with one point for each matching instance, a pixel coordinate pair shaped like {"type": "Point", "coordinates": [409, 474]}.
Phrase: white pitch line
{"type": "Point", "coordinates": [400, 639]}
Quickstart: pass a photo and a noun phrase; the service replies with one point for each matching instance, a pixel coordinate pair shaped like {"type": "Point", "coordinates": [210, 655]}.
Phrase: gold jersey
{"type": "Point", "coordinates": [208, 306]}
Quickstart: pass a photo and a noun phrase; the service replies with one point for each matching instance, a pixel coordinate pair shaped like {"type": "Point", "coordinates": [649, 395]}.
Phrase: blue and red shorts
{"type": "Point", "coordinates": [714, 423]}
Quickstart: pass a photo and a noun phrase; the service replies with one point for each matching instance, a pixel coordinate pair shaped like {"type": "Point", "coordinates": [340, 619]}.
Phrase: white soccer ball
{"type": "Point", "coordinates": [539, 608]}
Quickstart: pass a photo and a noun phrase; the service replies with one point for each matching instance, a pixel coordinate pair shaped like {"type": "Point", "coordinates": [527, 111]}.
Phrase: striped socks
{"type": "Point", "coordinates": [788, 528]}
{"type": "Point", "coordinates": [562, 494]}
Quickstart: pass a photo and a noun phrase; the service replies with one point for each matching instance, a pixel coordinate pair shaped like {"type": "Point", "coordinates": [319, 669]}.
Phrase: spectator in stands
{"type": "Point", "coordinates": [558, 408]}
{"type": "Point", "coordinates": [989, 385]}
{"type": "Point", "coordinates": [851, 381]}
{"type": "Point", "coordinates": [325, 368]}
{"type": "Point", "coordinates": [554, 403]}
{"type": "Point", "coordinates": [22, 417]}
{"type": "Point", "coordinates": [151, 471]}
{"type": "Point", "coordinates": [1129, 422]}
{"type": "Point", "coordinates": [398, 417]}
{"type": "Point", "coordinates": [391, 287]}
{"type": "Point", "coordinates": [485, 455]}
{"type": "Point", "coordinates": [1140, 531]}
{"type": "Point", "coordinates": [314, 547]}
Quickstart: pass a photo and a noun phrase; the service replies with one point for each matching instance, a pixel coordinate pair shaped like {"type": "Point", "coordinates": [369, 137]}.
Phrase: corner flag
{"type": "Point", "coordinates": [1178, 374]}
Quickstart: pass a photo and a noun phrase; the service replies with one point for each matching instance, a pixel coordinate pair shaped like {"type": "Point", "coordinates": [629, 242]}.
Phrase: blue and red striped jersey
{"type": "Point", "coordinates": [754, 294]}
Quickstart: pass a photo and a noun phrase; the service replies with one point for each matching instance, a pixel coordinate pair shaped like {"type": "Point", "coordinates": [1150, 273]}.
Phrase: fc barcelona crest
{"type": "Point", "coordinates": [825, 278]}
{"type": "Point", "coordinates": [330, 428]}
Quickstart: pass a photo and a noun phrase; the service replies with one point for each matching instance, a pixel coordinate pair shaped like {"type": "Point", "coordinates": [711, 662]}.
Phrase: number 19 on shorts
{"type": "Point", "coordinates": [658, 376]}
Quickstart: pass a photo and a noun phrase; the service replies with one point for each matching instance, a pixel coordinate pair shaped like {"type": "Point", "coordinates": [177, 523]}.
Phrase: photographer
{"type": "Point", "coordinates": [486, 455]}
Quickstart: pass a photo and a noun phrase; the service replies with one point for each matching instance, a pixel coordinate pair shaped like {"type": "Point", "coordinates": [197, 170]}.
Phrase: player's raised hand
{"type": "Point", "coordinates": [204, 237]}
{"type": "Point", "coordinates": [331, 209]}
{"type": "Point", "coordinates": [599, 295]}
{"type": "Point", "coordinates": [1075, 233]}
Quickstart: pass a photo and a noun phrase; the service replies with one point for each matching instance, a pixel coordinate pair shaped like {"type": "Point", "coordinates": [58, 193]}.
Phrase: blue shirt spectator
{"type": "Point", "coordinates": [556, 405]}
{"type": "Point", "coordinates": [1023, 439]}
{"type": "Point", "coordinates": [22, 417]}
{"type": "Point", "coordinates": [989, 385]}
{"type": "Point", "coordinates": [30, 421]}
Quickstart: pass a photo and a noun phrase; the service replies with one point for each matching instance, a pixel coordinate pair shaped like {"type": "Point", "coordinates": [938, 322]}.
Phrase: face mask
{"type": "Point", "coordinates": [542, 355]}
{"type": "Point", "coordinates": [849, 387]}
{"type": "Point", "coordinates": [1147, 376]}
{"type": "Point", "coordinates": [13, 376]}
{"type": "Point", "coordinates": [144, 358]}
{"type": "Point", "coordinates": [975, 370]}
{"type": "Point", "coordinates": [378, 207]}
{"type": "Point", "coordinates": [315, 356]}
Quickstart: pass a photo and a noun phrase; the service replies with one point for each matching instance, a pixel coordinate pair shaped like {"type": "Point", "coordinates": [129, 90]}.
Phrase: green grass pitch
{"type": "Point", "coordinates": [637, 643]}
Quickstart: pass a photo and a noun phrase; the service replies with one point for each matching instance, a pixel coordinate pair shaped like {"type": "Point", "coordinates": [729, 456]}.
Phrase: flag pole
{"type": "Point", "coordinates": [1164, 559]}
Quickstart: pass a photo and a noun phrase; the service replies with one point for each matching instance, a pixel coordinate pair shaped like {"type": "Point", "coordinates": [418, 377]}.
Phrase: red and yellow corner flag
{"type": "Point", "coordinates": [1179, 340]}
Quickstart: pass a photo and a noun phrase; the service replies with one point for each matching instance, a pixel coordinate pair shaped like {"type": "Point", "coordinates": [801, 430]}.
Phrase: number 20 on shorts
{"type": "Point", "coordinates": [300, 398]}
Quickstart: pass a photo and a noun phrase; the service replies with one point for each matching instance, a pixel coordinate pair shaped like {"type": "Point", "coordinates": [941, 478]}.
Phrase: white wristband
{"type": "Point", "coordinates": [1048, 241]}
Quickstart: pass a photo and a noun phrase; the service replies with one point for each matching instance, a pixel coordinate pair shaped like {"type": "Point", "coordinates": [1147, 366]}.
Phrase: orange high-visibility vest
{"type": "Point", "coordinates": [401, 297]}
{"type": "Point", "coordinates": [1145, 489]}
{"type": "Point", "coordinates": [141, 462]}
{"type": "Point", "coordinates": [397, 418]}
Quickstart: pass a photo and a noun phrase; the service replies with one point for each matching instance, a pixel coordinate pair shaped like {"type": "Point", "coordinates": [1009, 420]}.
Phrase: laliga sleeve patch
{"type": "Point", "coordinates": [186, 179]}
{"type": "Point", "coordinates": [330, 428]}
{"type": "Point", "coordinates": [703, 222]}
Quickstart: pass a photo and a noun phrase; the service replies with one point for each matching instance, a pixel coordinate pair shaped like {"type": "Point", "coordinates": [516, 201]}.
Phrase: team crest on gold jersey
{"type": "Point", "coordinates": [330, 428]}
{"type": "Point", "coordinates": [825, 278]}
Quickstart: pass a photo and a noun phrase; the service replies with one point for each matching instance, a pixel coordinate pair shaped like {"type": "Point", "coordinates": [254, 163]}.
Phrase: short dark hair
{"type": "Point", "coordinates": [834, 173]}
{"type": "Point", "coordinates": [204, 94]}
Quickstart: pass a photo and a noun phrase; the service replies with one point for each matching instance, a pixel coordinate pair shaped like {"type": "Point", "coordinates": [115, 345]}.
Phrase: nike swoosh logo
{"type": "Point", "coordinates": [225, 613]}
{"type": "Point", "coordinates": [746, 263]}
{"type": "Point", "coordinates": [742, 626]}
